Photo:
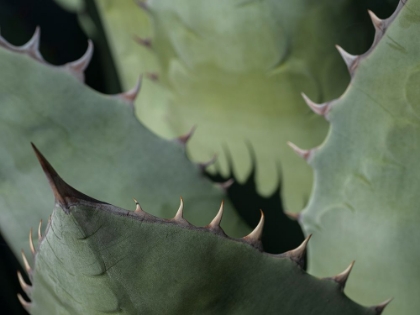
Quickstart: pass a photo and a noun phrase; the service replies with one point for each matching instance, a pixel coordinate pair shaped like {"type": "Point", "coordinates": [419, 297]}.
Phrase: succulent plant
{"type": "Point", "coordinates": [96, 133]}
{"type": "Point", "coordinates": [236, 69]}
{"type": "Point", "coordinates": [100, 259]}
{"type": "Point", "coordinates": [365, 199]}
{"type": "Point", "coordinates": [208, 63]}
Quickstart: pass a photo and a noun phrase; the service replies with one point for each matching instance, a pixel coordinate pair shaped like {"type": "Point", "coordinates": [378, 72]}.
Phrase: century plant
{"type": "Point", "coordinates": [236, 70]}
{"type": "Point", "coordinates": [96, 258]}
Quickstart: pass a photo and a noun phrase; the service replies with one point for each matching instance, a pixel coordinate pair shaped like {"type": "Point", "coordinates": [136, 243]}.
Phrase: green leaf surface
{"type": "Point", "coordinates": [99, 259]}
{"type": "Point", "coordinates": [236, 70]}
{"type": "Point", "coordinates": [94, 133]}
{"type": "Point", "coordinates": [365, 203]}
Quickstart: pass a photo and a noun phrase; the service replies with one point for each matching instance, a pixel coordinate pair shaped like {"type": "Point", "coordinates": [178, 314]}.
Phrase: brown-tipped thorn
{"type": "Point", "coordinates": [64, 194]}
{"type": "Point", "coordinates": [378, 309]}
{"type": "Point", "coordinates": [204, 165]}
{"type": "Point", "coordinates": [255, 236]}
{"type": "Point", "coordinates": [138, 207]}
{"type": "Point", "coordinates": [26, 264]}
{"type": "Point", "coordinates": [31, 242]}
{"type": "Point", "coordinates": [185, 138]}
{"type": "Point", "coordinates": [305, 154]}
{"type": "Point", "coordinates": [215, 223]}
{"type": "Point", "coordinates": [341, 278]}
{"type": "Point", "coordinates": [131, 95]}
{"type": "Point", "coordinates": [292, 216]}
{"type": "Point", "coordinates": [377, 22]}
{"type": "Point", "coordinates": [350, 60]}
{"type": "Point", "coordinates": [25, 287]}
{"type": "Point", "coordinates": [146, 42]}
{"type": "Point", "coordinates": [320, 109]}
{"type": "Point", "coordinates": [39, 232]}
{"type": "Point", "coordinates": [298, 254]}
{"type": "Point", "coordinates": [26, 305]}
{"type": "Point", "coordinates": [153, 76]}
{"type": "Point", "coordinates": [81, 64]}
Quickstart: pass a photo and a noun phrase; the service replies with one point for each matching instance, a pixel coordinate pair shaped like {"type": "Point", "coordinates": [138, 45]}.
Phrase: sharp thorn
{"type": "Point", "coordinates": [25, 287]}
{"type": "Point", "coordinates": [63, 193]}
{"type": "Point", "coordinates": [256, 234]}
{"type": "Point", "coordinates": [298, 254]}
{"type": "Point", "coordinates": [81, 64]}
{"type": "Point", "coordinates": [320, 109]}
{"type": "Point", "coordinates": [204, 165]}
{"type": "Point", "coordinates": [305, 154]}
{"type": "Point", "coordinates": [378, 309]}
{"type": "Point", "coordinates": [146, 42]}
{"type": "Point", "coordinates": [31, 243]}
{"type": "Point", "coordinates": [341, 278]}
{"type": "Point", "coordinates": [39, 232]}
{"type": "Point", "coordinates": [131, 95]}
{"type": "Point", "coordinates": [32, 46]}
{"type": "Point", "coordinates": [26, 305]}
{"type": "Point", "coordinates": [138, 207]}
{"type": "Point", "coordinates": [26, 264]}
{"type": "Point", "coordinates": [215, 223]}
{"type": "Point", "coordinates": [185, 138]}
{"type": "Point", "coordinates": [377, 22]}
{"type": "Point", "coordinates": [179, 216]}
{"type": "Point", "coordinates": [350, 60]}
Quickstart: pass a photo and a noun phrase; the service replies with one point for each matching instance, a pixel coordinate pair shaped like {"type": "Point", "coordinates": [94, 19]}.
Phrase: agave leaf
{"type": "Point", "coordinates": [99, 259]}
{"type": "Point", "coordinates": [236, 69]}
{"type": "Point", "coordinates": [95, 133]}
{"type": "Point", "coordinates": [365, 203]}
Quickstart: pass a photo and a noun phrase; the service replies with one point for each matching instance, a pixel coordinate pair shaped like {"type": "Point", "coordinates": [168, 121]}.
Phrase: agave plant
{"type": "Point", "coordinates": [236, 70]}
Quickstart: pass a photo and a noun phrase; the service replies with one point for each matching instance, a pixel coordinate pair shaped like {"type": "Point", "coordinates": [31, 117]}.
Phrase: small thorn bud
{"type": "Point", "coordinates": [255, 236]}
{"type": "Point", "coordinates": [320, 109]}
{"type": "Point", "coordinates": [215, 223]}
{"type": "Point", "coordinates": [298, 254]}
{"type": "Point", "coordinates": [185, 138]}
{"type": "Point", "coordinates": [146, 42]}
{"type": "Point", "coordinates": [31, 243]}
{"type": "Point", "coordinates": [305, 154]}
{"type": "Point", "coordinates": [378, 309]}
{"type": "Point", "coordinates": [341, 278]}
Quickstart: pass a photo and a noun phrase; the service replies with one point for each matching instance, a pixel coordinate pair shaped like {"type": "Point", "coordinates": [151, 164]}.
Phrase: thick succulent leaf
{"type": "Point", "coordinates": [94, 133]}
{"type": "Point", "coordinates": [99, 259]}
{"type": "Point", "coordinates": [365, 203]}
{"type": "Point", "coordinates": [236, 69]}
